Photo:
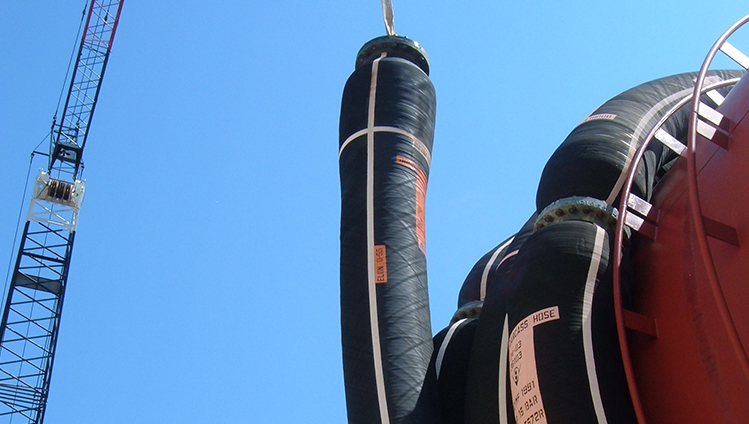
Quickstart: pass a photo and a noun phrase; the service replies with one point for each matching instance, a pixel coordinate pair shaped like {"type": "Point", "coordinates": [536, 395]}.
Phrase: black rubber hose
{"type": "Point", "coordinates": [563, 351]}
{"type": "Point", "coordinates": [593, 158]}
{"type": "Point", "coordinates": [452, 352]}
{"type": "Point", "coordinates": [476, 285]}
{"type": "Point", "coordinates": [590, 162]}
{"type": "Point", "coordinates": [483, 403]}
{"type": "Point", "coordinates": [386, 133]}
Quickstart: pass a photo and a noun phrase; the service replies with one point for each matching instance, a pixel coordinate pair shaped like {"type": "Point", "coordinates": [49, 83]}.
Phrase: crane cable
{"type": "Point", "coordinates": [31, 160]}
{"type": "Point", "coordinates": [387, 15]}
{"type": "Point", "coordinates": [72, 58]}
{"type": "Point", "coordinates": [18, 221]}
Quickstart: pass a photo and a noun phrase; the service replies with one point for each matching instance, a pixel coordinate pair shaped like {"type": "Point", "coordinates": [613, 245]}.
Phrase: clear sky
{"type": "Point", "coordinates": [204, 280]}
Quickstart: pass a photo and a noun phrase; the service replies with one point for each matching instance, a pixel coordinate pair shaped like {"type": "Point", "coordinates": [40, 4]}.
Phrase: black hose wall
{"type": "Point", "coordinates": [564, 356]}
{"type": "Point", "coordinates": [551, 265]}
{"type": "Point", "coordinates": [591, 160]}
{"type": "Point", "coordinates": [452, 352]}
{"type": "Point", "coordinates": [485, 378]}
{"type": "Point", "coordinates": [386, 132]}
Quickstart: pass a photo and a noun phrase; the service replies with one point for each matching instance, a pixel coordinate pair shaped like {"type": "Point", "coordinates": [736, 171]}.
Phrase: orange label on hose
{"type": "Point", "coordinates": [421, 195]}
{"type": "Point", "coordinates": [380, 263]}
{"type": "Point", "coordinates": [526, 395]}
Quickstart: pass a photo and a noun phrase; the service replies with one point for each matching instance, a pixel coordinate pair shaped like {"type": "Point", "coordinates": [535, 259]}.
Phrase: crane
{"type": "Point", "coordinates": [33, 306]}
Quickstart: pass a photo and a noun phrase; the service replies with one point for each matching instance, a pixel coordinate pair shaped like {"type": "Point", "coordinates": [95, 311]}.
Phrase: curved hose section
{"type": "Point", "coordinates": [584, 176]}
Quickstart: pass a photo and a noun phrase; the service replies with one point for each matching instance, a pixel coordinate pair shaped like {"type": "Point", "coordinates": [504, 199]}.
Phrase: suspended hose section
{"type": "Point", "coordinates": [620, 300]}
{"type": "Point", "coordinates": [386, 132]}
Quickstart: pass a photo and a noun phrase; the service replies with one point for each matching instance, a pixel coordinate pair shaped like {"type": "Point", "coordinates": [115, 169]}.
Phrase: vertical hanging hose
{"type": "Point", "coordinates": [385, 142]}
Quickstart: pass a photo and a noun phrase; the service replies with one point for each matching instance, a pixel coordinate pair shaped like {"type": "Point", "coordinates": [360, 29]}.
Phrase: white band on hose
{"type": "Point", "coordinates": [373, 316]}
{"type": "Point", "coordinates": [488, 267]}
{"type": "Point", "coordinates": [502, 389]}
{"type": "Point", "coordinates": [633, 143]}
{"type": "Point", "coordinates": [417, 144]}
{"type": "Point", "coordinates": [443, 347]}
{"type": "Point", "coordinates": [590, 362]}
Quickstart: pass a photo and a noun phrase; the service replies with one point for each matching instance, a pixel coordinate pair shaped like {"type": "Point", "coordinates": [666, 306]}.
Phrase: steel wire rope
{"type": "Point", "coordinates": [71, 60]}
{"type": "Point", "coordinates": [387, 15]}
{"type": "Point", "coordinates": [72, 57]}
{"type": "Point", "coordinates": [35, 299]}
{"type": "Point", "coordinates": [15, 240]}
{"type": "Point", "coordinates": [18, 219]}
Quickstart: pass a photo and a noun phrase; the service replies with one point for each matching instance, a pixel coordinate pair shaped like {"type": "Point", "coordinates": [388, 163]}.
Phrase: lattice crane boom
{"type": "Point", "coordinates": [33, 306]}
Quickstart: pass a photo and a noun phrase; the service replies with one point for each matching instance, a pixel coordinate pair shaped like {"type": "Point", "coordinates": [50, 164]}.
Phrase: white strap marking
{"type": "Point", "coordinates": [641, 128]}
{"type": "Point", "coordinates": [443, 346]}
{"type": "Point", "coordinates": [373, 315]}
{"type": "Point", "coordinates": [503, 373]}
{"type": "Point", "coordinates": [508, 256]}
{"type": "Point", "coordinates": [418, 145]}
{"type": "Point", "coordinates": [590, 361]}
{"type": "Point", "coordinates": [488, 267]}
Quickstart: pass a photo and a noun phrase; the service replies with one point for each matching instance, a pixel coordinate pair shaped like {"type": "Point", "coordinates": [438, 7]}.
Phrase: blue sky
{"type": "Point", "coordinates": [204, 282]}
